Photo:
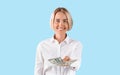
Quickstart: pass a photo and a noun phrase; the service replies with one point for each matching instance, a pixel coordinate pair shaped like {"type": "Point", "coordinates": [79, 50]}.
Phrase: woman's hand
{"type": "Point", "coordinates": [66, 58]}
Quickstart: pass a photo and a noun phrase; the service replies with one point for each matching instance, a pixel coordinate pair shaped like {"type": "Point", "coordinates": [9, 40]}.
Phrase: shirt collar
{"type": "Point", "coordinates": [67, 39]}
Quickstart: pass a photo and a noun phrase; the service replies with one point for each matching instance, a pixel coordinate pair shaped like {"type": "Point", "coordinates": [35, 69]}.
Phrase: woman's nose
{"type": "Point", "coordinates": [61, 23]}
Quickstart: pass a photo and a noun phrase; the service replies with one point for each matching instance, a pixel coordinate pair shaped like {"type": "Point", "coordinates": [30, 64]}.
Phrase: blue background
{"type": "Point", "coordinates": [24, 23]}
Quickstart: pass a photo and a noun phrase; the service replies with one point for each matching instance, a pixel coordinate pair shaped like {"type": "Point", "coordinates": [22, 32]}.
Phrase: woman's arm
{"type": "Point", "coordinates": [76, 55]}
{"type": "Point", "coordinates": [39, 62]}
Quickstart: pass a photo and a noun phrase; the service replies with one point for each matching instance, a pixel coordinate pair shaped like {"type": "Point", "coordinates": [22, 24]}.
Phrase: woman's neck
{"type": "Point", "coordinates": [59, 37]}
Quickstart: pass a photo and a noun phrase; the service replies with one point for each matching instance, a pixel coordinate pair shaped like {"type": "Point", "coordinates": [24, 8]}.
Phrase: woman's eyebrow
{"type": "Point", "coordinates": [62, 19]}
{"type": "Point", "coordinates": [65, 19]}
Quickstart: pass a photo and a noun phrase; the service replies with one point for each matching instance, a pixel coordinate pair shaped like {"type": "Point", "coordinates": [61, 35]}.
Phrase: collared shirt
{"type": "Point", "coordinates": [51, 48]}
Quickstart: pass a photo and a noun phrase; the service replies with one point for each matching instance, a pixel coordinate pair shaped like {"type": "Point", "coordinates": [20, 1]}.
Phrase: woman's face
{"type": "Point", "coordinates": [60, 25]}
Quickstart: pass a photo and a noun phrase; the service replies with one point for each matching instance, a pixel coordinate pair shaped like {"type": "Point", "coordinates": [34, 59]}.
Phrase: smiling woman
{"type": "Point", "coordinates": [60, 45]}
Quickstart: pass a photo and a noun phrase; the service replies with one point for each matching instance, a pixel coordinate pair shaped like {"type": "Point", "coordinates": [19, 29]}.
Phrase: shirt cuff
{"type": "Point", "coordinates": [71, 68]}
{"type": "Point", "coordinates": [75, 65]}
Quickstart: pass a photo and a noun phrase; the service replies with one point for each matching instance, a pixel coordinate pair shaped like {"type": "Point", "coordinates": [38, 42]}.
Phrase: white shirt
{"type": "Point", "coordinates": [50, 48]}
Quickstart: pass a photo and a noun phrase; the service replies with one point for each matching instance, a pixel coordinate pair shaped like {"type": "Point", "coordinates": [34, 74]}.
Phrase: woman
{"type": "Point", "coordinates": [60, 45]}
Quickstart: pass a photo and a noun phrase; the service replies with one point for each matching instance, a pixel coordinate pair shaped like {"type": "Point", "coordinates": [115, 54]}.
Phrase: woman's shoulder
{"type": "Point", "coordinates": [74, 41]}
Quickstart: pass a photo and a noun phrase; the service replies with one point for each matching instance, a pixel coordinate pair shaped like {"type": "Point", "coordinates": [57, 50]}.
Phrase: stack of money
{"type": "Point", "coordinates": [58, 61]}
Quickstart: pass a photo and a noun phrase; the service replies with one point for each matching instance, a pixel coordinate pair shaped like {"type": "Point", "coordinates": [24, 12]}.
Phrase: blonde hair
{"type": "Point", "coordinates": [66, 12]}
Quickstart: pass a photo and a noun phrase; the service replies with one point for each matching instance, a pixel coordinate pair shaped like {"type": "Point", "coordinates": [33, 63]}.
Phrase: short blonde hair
{"type": "Point", "coordinates": [66, 12]}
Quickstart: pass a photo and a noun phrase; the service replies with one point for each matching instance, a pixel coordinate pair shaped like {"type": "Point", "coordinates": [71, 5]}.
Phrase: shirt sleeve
{"type": "Point", "coordinates": [76, 54]}
{"type": "Point", "coordinates": [38, 70]}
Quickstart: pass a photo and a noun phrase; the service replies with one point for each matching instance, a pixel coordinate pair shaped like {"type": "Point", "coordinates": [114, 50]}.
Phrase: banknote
{"type": "Point", "coordinates": [58, 61]}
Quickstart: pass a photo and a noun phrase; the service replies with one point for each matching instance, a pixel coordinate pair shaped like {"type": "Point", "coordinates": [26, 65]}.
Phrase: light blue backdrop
{"type": "Point", "coordinates": [24, 23]}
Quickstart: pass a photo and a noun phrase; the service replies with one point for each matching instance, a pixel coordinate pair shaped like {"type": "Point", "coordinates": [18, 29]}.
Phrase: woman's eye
{"type": "Point", "coordinates": [64, 21]}
{"type": "Point", "coordinates": [57, 20]}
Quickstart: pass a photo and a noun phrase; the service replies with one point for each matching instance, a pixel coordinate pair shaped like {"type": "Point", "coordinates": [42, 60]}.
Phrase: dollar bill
{"type": "Point", "coordinates": [58, 61]}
